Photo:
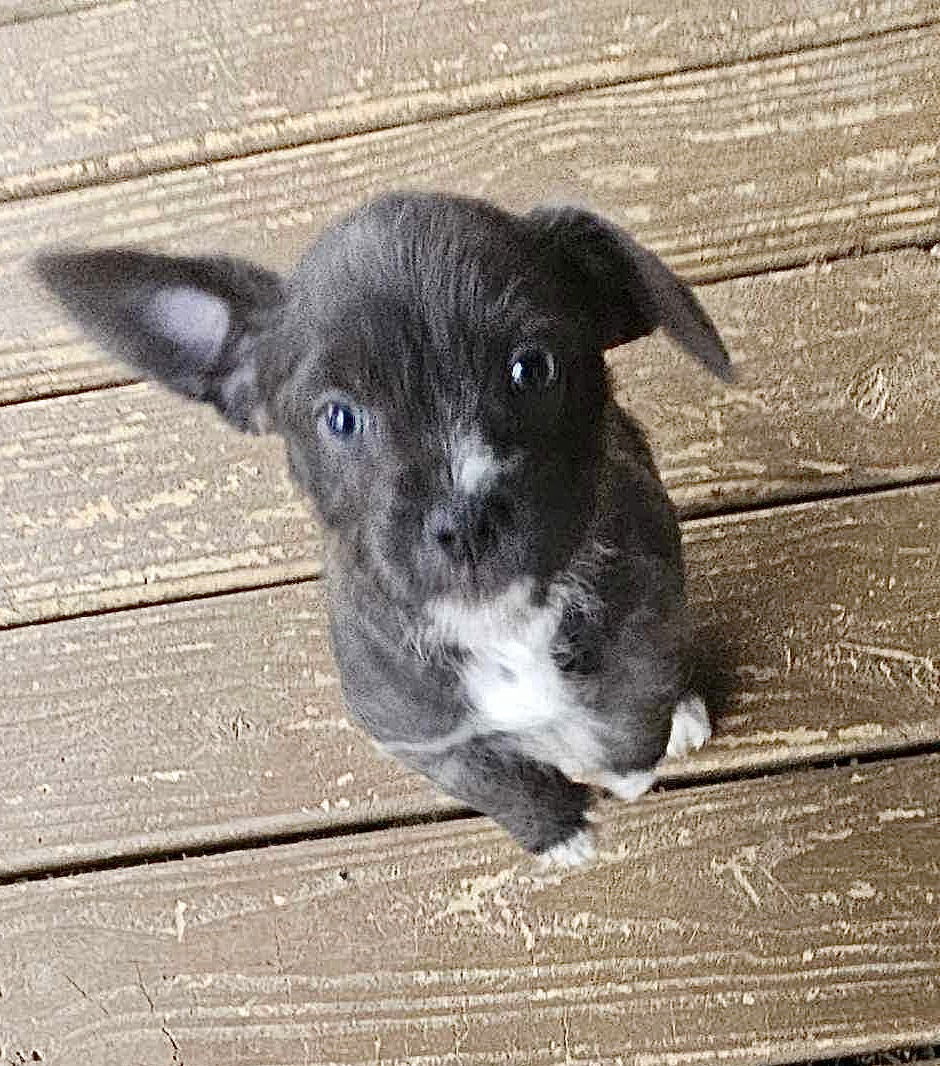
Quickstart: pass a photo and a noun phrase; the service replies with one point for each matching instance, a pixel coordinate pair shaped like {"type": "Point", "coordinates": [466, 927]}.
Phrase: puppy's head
{"type": "Point", "coordinates": [435, 366]}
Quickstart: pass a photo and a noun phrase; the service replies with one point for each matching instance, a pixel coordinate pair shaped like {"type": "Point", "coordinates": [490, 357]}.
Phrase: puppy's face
{"type": "Point", "coordinates": [442, 398]}
{"type": "Point", "coordinates": [434, 365]}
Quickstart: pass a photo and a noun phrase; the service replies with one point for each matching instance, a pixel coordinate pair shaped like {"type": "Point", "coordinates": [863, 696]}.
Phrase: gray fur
{"type": "Point", "coordinates": [504, 565]}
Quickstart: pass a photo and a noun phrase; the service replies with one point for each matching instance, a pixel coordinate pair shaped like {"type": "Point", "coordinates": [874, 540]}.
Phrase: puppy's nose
{"type": "Point", "coordinates": [461, 529]}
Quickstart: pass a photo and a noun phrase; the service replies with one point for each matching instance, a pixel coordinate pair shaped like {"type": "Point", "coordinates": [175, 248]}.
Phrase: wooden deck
{"type": "Point", "coordinates": [201, 862]}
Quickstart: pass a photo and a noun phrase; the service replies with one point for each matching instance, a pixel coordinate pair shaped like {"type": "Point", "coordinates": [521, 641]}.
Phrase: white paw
{"type": "Point", "coordinates": [577, 850]}
{"type": "Point", "coordinates": [690, 726]}
{"type": "Point", "coordinates": [627, 787]}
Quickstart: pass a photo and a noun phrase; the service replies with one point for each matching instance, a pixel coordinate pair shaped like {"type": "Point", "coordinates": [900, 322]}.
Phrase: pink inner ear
{"type": "Point", "coordinates": [190, 318]}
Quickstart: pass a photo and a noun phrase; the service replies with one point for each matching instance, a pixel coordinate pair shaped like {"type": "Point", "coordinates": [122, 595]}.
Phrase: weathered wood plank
{"type": "Point", "coordinates": [114, 498]}
{"type": "Point", "coordinates": [19, 11]}
{"type": "Point", "coordinates": [766, 163]}
{"type": "Point", "coordinates": [753, 923]}
{"type": "Point", "coordinates": [129, 496]}
{"type": "Point", "coordinates": [180, 726]}
{"type": "Point", "coordinates": [128, 88]}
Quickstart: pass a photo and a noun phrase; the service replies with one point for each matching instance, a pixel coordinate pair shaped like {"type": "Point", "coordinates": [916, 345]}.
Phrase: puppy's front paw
{"type": "Point", "coordinates": [627, 787]}
{"type": "Point", "coordinates": [577, 850]}
{"type": "Point", "coordinates": [691, 728]}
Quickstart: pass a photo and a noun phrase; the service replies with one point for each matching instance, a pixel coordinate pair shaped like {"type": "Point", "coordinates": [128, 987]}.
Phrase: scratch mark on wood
{"type": "Point", "coordinates": [81, 991]}
{"type": "Point", "coordinates": [143, 988]}
{"type": "Point", "coordinates": [177, 1057]}
{"type": "Point", "coordinates": [733, 867]}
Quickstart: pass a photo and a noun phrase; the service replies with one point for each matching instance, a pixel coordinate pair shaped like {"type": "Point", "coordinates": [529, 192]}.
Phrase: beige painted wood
{"type": "Point", "coordinates": [837, 385]}
{"type": "Point", "coordinates": [182, 726]}
{"type": "Point", "coordinates": [128, 88]}
{"type": "Point", "coordinates": [129, 496]}
{"type": "Point", "coordinates": [19, 11]}
{"type": "Point", "coordinates": [754, 923]}
{"type": "Point", "coordinates": [763, 164]}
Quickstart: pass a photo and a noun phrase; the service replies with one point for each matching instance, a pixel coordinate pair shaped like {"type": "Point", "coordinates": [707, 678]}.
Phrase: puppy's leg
{"type": "Point", "coordinates": [627, 786]}
{"type": "Point", "coordinates": [691, 728]}
{"type": "Point", "coordinates": [537, 804]}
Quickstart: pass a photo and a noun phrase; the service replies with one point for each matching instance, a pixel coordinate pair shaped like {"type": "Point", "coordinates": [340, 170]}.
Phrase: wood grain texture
{"type": "Point", "coordinates": [754, 923]}
{"type": "Point", "coordinates": [129, 496]}
{"type": "Point", "coordinates": [128, 88]}
{"type": "Point", "coordinates": [20, 11]}
{"type": "Point", "coordinates": [114, 498]}
{"type": "Point", "coordinates": [182, 726]}
{"type": "Point", "coordinates": [724, 171]}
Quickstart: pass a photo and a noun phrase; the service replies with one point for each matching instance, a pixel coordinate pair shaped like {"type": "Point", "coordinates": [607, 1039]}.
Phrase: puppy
{"type": "Point", "coordinates": [504, 566]}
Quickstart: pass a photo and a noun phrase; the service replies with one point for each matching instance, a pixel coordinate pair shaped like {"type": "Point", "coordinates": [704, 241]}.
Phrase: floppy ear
{"type": "Point", "coordinates": [193, 324]}
{"type": "Point", "coordinates": [637, 291]}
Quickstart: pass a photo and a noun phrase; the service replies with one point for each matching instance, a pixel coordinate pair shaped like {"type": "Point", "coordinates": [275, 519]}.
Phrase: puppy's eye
{"type": "Point", "coordinates": [343, 420]}
{"type": "Point", "coordinates": [531, 369]}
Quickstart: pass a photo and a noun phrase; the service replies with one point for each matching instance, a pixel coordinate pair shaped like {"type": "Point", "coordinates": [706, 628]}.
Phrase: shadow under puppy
{"type": "Point", "coordinates": [504, 565]}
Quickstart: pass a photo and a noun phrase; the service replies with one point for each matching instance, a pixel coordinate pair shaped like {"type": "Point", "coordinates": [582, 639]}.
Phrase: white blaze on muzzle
{"type": "Point", "coordinates": [474, 465]}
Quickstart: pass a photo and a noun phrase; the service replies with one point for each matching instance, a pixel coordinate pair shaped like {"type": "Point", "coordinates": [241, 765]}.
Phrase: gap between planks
{"type": "Point", "coordinates": [208, 720]}
{"type": "Point", "coordinates": [579, 81]}
{"type": "Point", "coordinates": [271, 832]}
{"type": "Point", "coordinates": [759, 923]}
{"type": "Point", "coordinates": [331, 100]}
{"type": "Point", "coordinates": [700, 168]}
{"type": "Point", "coordinates": [285, 577]}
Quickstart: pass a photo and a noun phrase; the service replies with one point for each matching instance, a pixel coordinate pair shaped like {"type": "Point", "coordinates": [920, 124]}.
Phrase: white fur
{"type": "Point", "coordinates": [474, 466]}
{"type": "Point", "coordinates": [626, 787]}
{"type": "Point", "coordinates": [577, 850]}
{"type": "Point", "coordinates": [513, 683]}
{"type": "Point", "coordinates": [690, 726]}
{"type": "Point", "coordinates": [191, 317]}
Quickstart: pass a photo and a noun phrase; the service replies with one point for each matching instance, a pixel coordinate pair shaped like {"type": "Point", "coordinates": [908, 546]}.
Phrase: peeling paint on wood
{"type": "Point", "coordinates": [764, 164]}
{"type": "Point", "coordinates": [108, 500]}
{"type": "Point", "coordinates": [121, 89]}
{"type": "Point", "coordinates": [764, 921]}
{"type": "Point", "coordinates": [184, 726]}
{"type": "Point", "coordinates": [838, 384]}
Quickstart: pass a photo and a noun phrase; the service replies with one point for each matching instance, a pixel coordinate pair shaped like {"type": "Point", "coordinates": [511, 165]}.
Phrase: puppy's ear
{"type": "Point", "coordinates": [636, 291]}
{"type": "Point", "coordinates": [193, 324]}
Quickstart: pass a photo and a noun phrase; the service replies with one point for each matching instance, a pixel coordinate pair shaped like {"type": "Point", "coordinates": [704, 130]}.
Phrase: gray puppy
{"type": "Point", "coordinates": [504, 565]}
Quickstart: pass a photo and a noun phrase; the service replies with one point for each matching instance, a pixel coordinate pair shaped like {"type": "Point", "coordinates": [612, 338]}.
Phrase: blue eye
{"type": "Point", "coordinates": [531, 369]}
{"type": "Point", "coordinates": [342, 420]}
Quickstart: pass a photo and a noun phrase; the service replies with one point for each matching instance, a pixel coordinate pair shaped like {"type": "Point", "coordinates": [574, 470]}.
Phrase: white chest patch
{"type": "Point", "coordinates": [513, 683]}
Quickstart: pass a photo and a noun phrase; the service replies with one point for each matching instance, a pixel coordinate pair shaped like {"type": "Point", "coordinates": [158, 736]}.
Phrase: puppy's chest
{"type": "Point", "coordinates": [513, 685]}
